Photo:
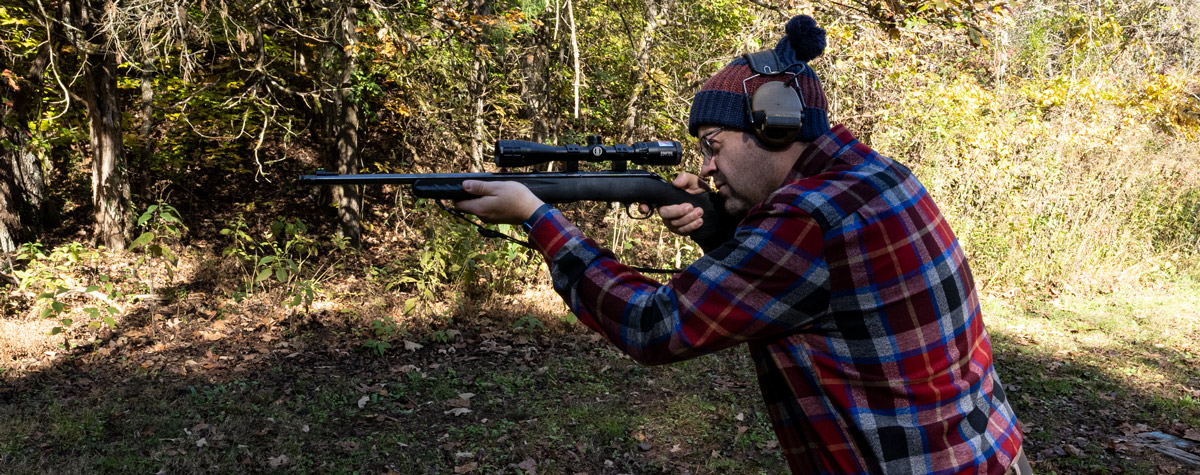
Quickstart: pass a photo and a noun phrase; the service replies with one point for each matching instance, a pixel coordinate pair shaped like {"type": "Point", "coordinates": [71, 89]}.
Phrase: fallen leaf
{"type": "Point", "coordinates": [466, 467]}
{"type": "Point", "coordinates": [277, 462]}
{"type": "Point", "coordinates": [362, 402]}
{"type": "Point", "coordinates": [529, 465]}
{"type": "Point", "coordinates": [458, 411]}
{"type": "Point", "coordinates": [1192, 434]}
{"type": "Point", "coordinates": [644, 446]}
{"type": "Point", "coordinates": [406, 368]}
{"type": "Point", "coordinates": [202, 442]}
{"type": "Point", "coordinates": [411, 346]}
{"type": "Point", "coordinates": [458, 402]}
{"type": "Point", "coordinates": [1073, 450]}
{"type": "Point", "coordinates": [740, 417]}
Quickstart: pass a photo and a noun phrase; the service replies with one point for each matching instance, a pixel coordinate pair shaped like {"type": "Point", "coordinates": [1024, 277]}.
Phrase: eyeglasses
{"type": "Point", "coordinates": [706, 146]}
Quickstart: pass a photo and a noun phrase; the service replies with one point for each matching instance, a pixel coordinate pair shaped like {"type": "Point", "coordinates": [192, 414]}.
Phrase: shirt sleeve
{"type": "Point", "coordinates": [768, 281]}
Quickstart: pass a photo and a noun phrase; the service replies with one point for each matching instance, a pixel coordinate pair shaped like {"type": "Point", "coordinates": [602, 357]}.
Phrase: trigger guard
{"type": "Point", "coordinates": [629, 212]}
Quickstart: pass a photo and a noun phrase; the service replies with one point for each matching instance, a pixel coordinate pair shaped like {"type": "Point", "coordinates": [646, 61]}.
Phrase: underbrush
{"type": "Point", "coordinates": [1063, 153]}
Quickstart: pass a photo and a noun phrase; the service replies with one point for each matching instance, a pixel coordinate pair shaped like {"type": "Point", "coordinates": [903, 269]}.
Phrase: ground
{"type": "Point", "coordinates": [223, 386]}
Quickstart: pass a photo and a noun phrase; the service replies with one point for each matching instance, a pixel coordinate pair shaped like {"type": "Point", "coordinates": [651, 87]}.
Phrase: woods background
{"type": "Point", "coordinates": [149, 148]}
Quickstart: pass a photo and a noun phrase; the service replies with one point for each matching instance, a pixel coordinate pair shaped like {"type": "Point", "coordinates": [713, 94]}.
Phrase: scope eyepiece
{"type": "Point", "coordinates": [520, 153]}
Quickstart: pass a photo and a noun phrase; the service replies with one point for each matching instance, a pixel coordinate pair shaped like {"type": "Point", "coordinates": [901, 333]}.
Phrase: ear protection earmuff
{"type": "Point", "coordinates": [775, 111]}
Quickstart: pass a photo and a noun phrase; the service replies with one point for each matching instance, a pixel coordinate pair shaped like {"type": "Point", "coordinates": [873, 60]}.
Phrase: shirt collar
{"type": "Point", "coordinates": [819, 154]}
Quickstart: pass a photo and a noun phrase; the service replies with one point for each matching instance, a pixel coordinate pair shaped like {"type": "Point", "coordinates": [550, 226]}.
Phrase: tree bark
{"type": "Point", "coordinates": [23, 206]}
{"type": "Point", "coordinates": [10, 218]}
{"type": "Point", "coordinates": [478, 81]}
{"type": "Point", "coordinates": [535, 84]}
{"type": "Point", "coordinates": [110, 189]}
{"type": "Point", "coordinates": [345, 125]}
{"type": "Point", "coordinates": [147, 131]}
{"type": "Point", "coordinates": [575, 52]}
{"type": "Point", "coordinates": [633, 109]}
{"type": "Point", "coordinates": [111, 212]}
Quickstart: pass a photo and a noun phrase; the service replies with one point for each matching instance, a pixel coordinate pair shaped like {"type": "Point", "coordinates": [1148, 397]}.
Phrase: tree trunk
{"type": "Point", "coordinates": [110, 190]}
{"type": "Point", "coordinates": [10, 204]}
{"type": "Point", "coordinates": [535, 84]}
{"type": "Point", "coordinates": [575, 52]}
{"type": "Point", "coordinates": [111, 213]}
{"type": "Point", "coordinates": [344, 125]}
{"type": "Point", "coordinates": [144, 163]}
{"type": "Point", "coordinates": [478, 81]}
{"type": "Point", "coordinates": [633, 109]}
{"type": "Point", "coordinates": [23, 207]}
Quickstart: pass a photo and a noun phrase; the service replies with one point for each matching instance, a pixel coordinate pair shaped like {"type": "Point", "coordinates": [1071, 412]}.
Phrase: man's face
{"type": "Point", "coordinates": [743, 172]}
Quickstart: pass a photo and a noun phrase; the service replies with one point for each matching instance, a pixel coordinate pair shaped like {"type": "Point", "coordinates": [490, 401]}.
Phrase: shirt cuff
{"type": "Point", "coordinates": [549, 231]}
{"type": "Point", "coordinates": [537, 215]}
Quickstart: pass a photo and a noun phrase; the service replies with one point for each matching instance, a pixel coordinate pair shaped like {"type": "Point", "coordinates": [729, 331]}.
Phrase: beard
{"type": "Point", "coordinates": [734, 204]}
{"type": "Point", "coordinates": [733, 207]}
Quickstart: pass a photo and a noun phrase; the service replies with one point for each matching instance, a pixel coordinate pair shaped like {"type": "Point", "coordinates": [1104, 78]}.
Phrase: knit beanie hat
{"type": "Point", "coordinates": [722, 99]}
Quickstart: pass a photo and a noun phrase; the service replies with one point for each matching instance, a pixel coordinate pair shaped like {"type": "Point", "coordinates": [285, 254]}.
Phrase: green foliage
{"type": "Point", "coordinates": [383, 332]}
{"type": "Point", "coordinates": [57, 295]}
{"type": "Point", "coordinates": [161, 225]}
{"type": "Point", "coordinates": [529, 323]}
{"type": "Point", "coordinates": [454, 256]}
{"type": "Point", "coordinates": [276, 259]}
{"type": "Point", "coordinates": [1039, 161]}
{"type": "Point", "coordinates": [21, 31]}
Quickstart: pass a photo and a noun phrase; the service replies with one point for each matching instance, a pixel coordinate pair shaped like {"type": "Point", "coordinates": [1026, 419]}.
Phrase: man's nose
{"type": "Point", "coordinates": [708, 168]}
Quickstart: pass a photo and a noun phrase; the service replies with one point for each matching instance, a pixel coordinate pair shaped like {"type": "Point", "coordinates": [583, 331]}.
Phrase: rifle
{"type": "Point", "coordinates": [618, 184]}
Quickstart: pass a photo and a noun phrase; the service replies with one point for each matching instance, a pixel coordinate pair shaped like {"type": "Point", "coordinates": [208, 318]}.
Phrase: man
{"type": "Point", "coordinates": [841, 276]}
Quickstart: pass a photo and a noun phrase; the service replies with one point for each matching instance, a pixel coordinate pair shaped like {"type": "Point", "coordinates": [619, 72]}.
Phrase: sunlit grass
{"type": "Point", "coordinates": [1140, 344]}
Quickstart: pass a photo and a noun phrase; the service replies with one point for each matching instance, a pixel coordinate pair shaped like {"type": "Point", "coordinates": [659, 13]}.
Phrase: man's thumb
{"type": "Point", "coordinates": [477, 187]}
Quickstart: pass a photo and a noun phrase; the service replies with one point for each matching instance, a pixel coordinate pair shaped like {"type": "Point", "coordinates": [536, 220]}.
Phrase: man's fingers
{"type": "Point", "coordinates": [690, 226]}
{"type": "Point", "coordinates": [499, 201]}
{"type": "Point", "coordinates": [689, 183]}
{"type": "Point", "coordinates": [673, 212]}
{"type": "Point", "coordinates": [681, 218]}
{"type": "Point", "coordinates": [685, 223]}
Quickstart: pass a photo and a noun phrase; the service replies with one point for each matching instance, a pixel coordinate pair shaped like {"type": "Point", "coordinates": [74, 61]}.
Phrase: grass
{"type": "Point", "coordinates": [1092, 372]}
{"type": "Point", "coordinates": [1084, 375]}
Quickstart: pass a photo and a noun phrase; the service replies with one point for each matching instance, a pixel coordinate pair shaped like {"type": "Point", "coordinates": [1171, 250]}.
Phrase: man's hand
{"type": "Point", "coordinates": [506, 202]}
{"type": "Point", "coordinates": [683, 218]}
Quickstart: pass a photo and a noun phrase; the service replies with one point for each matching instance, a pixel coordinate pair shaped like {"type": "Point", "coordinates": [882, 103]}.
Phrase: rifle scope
{"type": "Point", "coordinates": [519, 153]}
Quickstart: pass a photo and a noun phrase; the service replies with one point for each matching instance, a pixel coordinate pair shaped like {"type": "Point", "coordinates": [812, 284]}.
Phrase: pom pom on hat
{"type": "Point", "coordinates": [805, 37]}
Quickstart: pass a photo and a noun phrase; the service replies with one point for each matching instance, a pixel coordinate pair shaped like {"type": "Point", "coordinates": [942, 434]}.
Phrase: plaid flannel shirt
{"type": "Point", "coordinates": [855, 300]}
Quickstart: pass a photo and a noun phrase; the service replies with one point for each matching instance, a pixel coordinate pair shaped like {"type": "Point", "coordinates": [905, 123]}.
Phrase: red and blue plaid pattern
{"type": "Point", "coordinates": [857, 304]}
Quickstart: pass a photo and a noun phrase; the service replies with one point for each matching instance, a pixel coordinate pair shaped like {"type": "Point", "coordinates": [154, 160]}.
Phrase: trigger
{"type": "Point", "coordinates": [629, 211]}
